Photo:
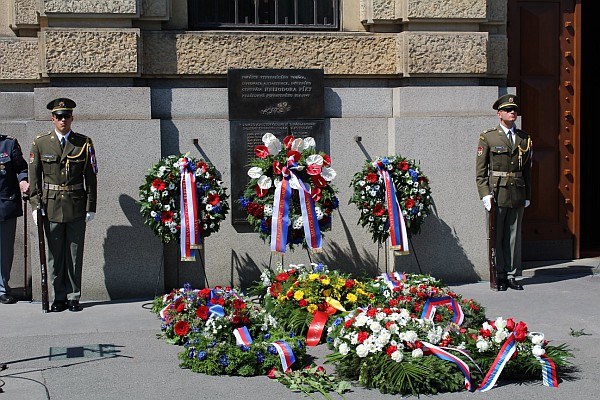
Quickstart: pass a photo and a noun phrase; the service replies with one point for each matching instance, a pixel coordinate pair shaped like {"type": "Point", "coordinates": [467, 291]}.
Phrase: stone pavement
{"type": "Point", "coordinates": [110, 350]}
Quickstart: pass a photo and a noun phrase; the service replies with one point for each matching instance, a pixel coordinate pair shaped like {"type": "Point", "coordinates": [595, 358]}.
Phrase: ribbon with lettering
{"type": "Point", "coordinates": [398, 237]}
{"type": "Point", "coordinates": [433, 302]}
{"type": "Point", "coordinates": [313, 337]}
{"type": "Point", "coordinates": [430, 349]}
{"type": "Point", "coordinates": [281, 206]}
{"type": "Point", "coordinates": [508, 349]}
{"type": "Point", "coordinates": [242, 336]}
{"type": "Point", "coordinates": [189, 233]}
{"type": "Point", "coordinates": [285, 354]}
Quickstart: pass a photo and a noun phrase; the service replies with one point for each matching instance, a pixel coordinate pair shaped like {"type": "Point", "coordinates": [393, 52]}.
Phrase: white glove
{"type": "Point", "coordinates": [527, 203]}
{"type": "Point", "coordinates": [89, 216]}
{"type": "Point", "coordinates": [487, 202]}
{"type": "Point", "coordinates": [34, 215]}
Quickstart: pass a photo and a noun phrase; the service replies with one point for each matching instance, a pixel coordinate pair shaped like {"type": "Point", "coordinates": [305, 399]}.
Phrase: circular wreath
{"type": "Point", "coordinates": [412, 192]}
{"type": "Point", "coordinates": [313, 169]}
{"type": "Point", "coordinates": [160, 197]}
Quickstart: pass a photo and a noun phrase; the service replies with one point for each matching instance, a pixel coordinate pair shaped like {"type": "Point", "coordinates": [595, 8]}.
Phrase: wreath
{"type": "Point", "coordinates": [413, 195]}
{"type": "Point", "coordinates": [308, 173]}
{"type": "Point", "coordinates": [160, 196]}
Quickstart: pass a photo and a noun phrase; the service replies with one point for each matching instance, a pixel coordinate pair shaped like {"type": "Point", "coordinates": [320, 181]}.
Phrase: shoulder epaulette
{"type": "Point", "coordinates": [482, 134]}
{"type": "Point", "coordinates": [43, 134]}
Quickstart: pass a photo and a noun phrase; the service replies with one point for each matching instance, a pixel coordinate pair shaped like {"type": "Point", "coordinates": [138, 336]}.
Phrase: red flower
{"type": "Point", "coordinates": [315, 193]}
{"type": "Point", "coordinates": [256, 210]}
{"type": "Point", "coordinates": [303, 303]}
{"type": "Point", "coordinates": [349, 284]}
{"type": "Point", "coordinates": [236, 320]}
{"type": "Point", "coordinates": [261, 192]}
{"type": "Point", "coordinates": [181, 328]}
{"type": "Point", "coordinates": [510, 324]}
{"type": "Point", "coordinates": [379, 210]}
{"type": "Point", "coordinates": [409, 203]}
{"type": "Point", "coordinates": [202, 313]}
{"type": "Point", "coordinates": [520, 331]}
{"type": "Point", "coordinates": [295, 155]}
{"type": "Point", "coordinates": [485, 333]}
{"type": "Point", "coordinates": [276, 167]}
{"type": "Point", "coordinates": [288, 140]}
{"type": "Point", "coordinates": [390, 350]}
{"type": "Point", "coordinates": [202, 166]}
{"type": "Point", "coordinates": [362, 336]}
{"type": "Point", "coordinates": [158, 184]}
{"type": "Point", "coordinates": [205, 293]}
{"type": "Point", "coordinates": [166, 216]}
{"type": "Point", "coordinates": [271, 374]}
{"type": "Point", "coordinates": [403, 166]}
{"type": "Point", "coordinates": [275, 289]}
{"type": "Point", "coordinates": [326, 160]}
{"type": "Point", "coordinates": [319, 181]}
{"type": "Point", "coordinates": [313, 169]}
{"type": "Point", "coordinates": [239, 304]}
{"type": "Point", "coordinates": [261, 151]}
{"type": "Point", "coordinates": [372, 177]}
{"type": "Point", "coordinates": [213, 199]}
{"type": "Point", "coordinates": [282, 277]}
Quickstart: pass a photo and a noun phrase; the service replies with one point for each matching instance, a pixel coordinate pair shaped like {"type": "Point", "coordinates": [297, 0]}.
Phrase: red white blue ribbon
{"type": "Point", "coordinates": [189, 233]}
{"type": "Point", "coordinates": [504, 355]}
{"type": "Point", "coordinates": [394, 280]}
{"type": "Point", "coordinates": [281, 207]}
{"type": "Point", "coordinates": [242, 336]}
{"type": "Point", "coordinates": [285, 354]}
{"type": "Point", "coordinates": [444, 355]}
{"type": "Point", "coordinates": [433, 302]}
{"type": "Point", "coordinates": [549, 377]}
{"type": "Point", "coordinates": [315, 330]}
{"type": "Point", "coordinates": [93, 161]}
{"type": "Point", "coordinates": [398, 237]}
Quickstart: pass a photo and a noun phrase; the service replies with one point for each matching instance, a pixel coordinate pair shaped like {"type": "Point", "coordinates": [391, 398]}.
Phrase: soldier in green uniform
{"type": "Point", "coordinates": [62, 176]}
{"type": "Point", "coordinates": [503, 177]}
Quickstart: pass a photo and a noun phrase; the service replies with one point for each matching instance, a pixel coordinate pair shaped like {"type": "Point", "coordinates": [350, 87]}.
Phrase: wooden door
{"type": "Point", "coordinates": [544, 67]}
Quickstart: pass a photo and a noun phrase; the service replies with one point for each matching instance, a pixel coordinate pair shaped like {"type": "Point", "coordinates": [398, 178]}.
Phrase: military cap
{"type": "Point", "coordinates": [508, 100]}
{"type": "Point", "coordinates": [61, 105]}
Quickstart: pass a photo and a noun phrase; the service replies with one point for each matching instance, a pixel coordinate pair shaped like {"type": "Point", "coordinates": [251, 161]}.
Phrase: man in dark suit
{"type": "Point", "coordinates": [13, 181]}
{"type": "Point", "coordinates": [503, 176]}
{"type": "Point", "coordinates": [62, 175]}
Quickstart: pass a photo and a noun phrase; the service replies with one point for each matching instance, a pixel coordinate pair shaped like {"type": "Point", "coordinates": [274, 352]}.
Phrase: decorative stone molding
{"type": "Point", "coordinates": [19, 59]}
{"type": "Point", "coordinates": [213, 53]}
{"type": "Point", "coordinates": [90, 51]}
{"type": "Point", "coordinates": [497, 55]}
{"type": "Point", "coordinates": [89, 7]}
{"type": "Point", "coordinates": [445, 9]}
{"type": "Point", "coordinates": [433, 53]}
{"type": "Point", "coordinates": [496, 10]}
{"type": "Point", "coordinates": [379, 10]}
{"type": "Point", "coordinates": [23, 14]}
{"type": "Point", "coordinates": [155, 10]}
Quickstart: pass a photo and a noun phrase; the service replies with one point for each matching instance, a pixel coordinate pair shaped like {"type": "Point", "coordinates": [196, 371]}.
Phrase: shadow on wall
{"type": "Point", "coordinates": [133, 257]}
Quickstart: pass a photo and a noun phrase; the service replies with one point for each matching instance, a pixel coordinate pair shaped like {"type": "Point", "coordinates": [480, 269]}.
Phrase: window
{"type": "Point", "coordinates": [264, 14]}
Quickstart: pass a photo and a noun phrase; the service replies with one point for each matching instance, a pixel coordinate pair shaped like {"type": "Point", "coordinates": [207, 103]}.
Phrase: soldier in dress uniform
{"type": "Point", "coordinates": [62, 175]}
{"type": "Point", "coordinates": [503, 177]}
{"type": "Point", "coordinates": [13, 181]}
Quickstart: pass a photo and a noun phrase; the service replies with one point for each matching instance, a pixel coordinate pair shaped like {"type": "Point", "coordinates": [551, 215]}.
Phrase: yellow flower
{"type": "Point", "coordinates": [327, 292]}
{"type": "Point", "coordinates": [312, 308]}
{"type": "Point", "coordinates": [325, 281]}
{"type": "Point", "coordinates": [282, 298]}
{"type": "Point", "coordinates": [313, 277]}
{"type": "Point", "coordinates": [299, 295]}
{"type": "Point", "coordinates": [361, 292]}
{"type": "Point", "coordinates": [351, 297]}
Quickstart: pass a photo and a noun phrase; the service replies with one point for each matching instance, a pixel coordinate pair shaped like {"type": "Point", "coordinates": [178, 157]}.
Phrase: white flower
{"type": "Point", "coordinates": [209, 207]}
{"type": "Point", "coordinates": [167, 207]}
{"type": "Point", "coordinates": [482, 345]}
{"type": "Point", "coordinates": [361, 320]}
{"type": "Point", "coordinates": [500, 336]}
{"type": "Point", "coordinates": [362, 350]}
{"type": "Point", "coordinates": [264, 182]}
{"type": "Point", "coordinates": [314, 159]}
{"type": "Point", "coordinates": [153, 213]}
{"type": "Point", "coordinates": [309, 142]}
{"type": "Point", "coordinates": [268, 210]}
{"type": "Point", "coordinates": [397, 356]}
{"type": "Point", "coordinates": [417, 353]}
{"type": "Point", "coordinates": [173, 230]}
{"type": "Point", "coordinates": [297, 145]}
{"type": "Point", "coordinates": [255, 172]}
{"type": "Point", "coordinates": [374, 326]}
{"type": "Point", "coordinates": [536, 337]}
{"type": "Point", "coordinates": [272, 143]}
{"type": "Point", "coordinates": [151, 198]}
{"type": "Point", "coordinates": [537, 350]}
{"type": "Point", "coordinates": [318, 212]}
{"type": "Point", "coordinates": [500, 323]}
{"type": "Point", "coordinates": [298, 223]}
{"type": "Point", "coordinates": [328, 173]}
{"type": "Point", "coordinates": [344, 348]}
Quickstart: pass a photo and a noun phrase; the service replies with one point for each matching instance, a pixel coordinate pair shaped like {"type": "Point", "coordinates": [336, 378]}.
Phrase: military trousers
{"type": "Point", "coordinates": [8, 231]}
{"type": "Point", "coordinates": [508, 241]}
{"type": "Point", "coordinates": [65, 242]}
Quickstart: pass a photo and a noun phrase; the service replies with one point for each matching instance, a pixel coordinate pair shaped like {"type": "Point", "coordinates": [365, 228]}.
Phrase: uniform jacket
{"type": "Point", "coordinates": [13, 169]}
{"type": "Point", "coordinates": [511, 185]}
{"type": "Point", "coordinates": [69, 173]}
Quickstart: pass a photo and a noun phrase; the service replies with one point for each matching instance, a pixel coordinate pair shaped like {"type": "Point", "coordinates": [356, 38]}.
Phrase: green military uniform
{"type": "Point", "coordinates": [65, 181]}
{"type": "Point", "coordinates": [503, 169]}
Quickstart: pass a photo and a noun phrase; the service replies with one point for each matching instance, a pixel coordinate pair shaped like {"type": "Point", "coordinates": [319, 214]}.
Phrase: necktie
{"type": "Point", "coordinates": [62, 142]}
{"type": "Point", "coordinates": [511, 138]}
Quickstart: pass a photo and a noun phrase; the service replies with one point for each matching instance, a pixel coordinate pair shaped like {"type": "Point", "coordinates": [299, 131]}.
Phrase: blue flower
{"type": "Point", "coordinates": [212, 344]}
{"type": "Point", "coordinates": [337, 321]}
{"type": "Point", "coordinates": [263, 227]}
{"type": "Point", "coordinates": [244, 348]}
{"type": "Point", "coordinates": [299, 344]}
{"type": "Point", "coordinates": [216, 209]}
{"type": "Point", "coordinates": [267, 336]}
{"type": "Point", "coordinates": [291, 334]}
{"type": "Point", "coordinates": [260, 357]}
{"type": "Point", "coordinates": [157, 218]}
{"type": "Point", "coordinates": [319, 267]}
{"type": "Point", "coordinates": [224, 360]}
{"type": "Point", "coordinates": [414, 175]}
{"type": "Point", "coordinates": [271, 350]}
{"type": "Point", "coordinates": [244, 202]}
{"type": "Point", "coordinates": [385, 161]}
{"type": "Point", "coordinates": [192, 353]}
{"type": "Point", "coordinates": [201, 355]}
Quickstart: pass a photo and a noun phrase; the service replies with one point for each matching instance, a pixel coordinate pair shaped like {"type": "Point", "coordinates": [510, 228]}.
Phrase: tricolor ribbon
{"type": "Point", "coordinates": [242, 336]}
{"type": "Point", "coordinates": [444, 355]}
{"type": "Point", "coordinates": [398, 237]}
{"type": "Point", "coordinates": [313, 337]}
{"type": "Point", "coordinates": [504, 355]}
{"type": "Point", "coordinates": [189, 233]}
{"type": "Point", "coordinates": [215, 308]}
{"type": "Point", "coordinates": [549, 377]}
{"type": "Point", "coordinates": [285, 354]}
{"type": "Point", "coordinates": [433, 302]}
{"type": "Point", "coordinates": [281, 207]}
{"type": "Point", "coordinates": [393, 280]}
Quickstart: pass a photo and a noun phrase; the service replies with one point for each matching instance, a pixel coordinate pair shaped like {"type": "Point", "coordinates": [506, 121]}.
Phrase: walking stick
{"type": "Point", "coordinates": [25, 212]}
{"type": "Point", "coordinates": [43, 267]}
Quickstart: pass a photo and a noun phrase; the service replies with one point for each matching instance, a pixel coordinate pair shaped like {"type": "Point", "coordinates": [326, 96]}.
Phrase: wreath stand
{"type": "Point", "coordinates": [386, 252]}
{"type": "Point", "coordinates": [271, 260]}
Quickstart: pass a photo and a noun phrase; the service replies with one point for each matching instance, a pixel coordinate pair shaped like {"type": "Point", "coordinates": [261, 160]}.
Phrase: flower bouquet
{"type": "Point", "coordinates": [160, 197]}
{"type": "Point", "coordinates": [377, 205]}
{"type": "Point", "coordinates": [224, 332]}
{"type": "Point", "coordinates": [290, 198]}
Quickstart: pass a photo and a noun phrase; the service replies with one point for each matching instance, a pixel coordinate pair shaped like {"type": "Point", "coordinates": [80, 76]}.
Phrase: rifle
{"type": "Point", "coordinates": [44, 268]}
{"type": "Point", "coordinates": [25, 212]}
{"type": "Point", "coordinates": [491, 220]}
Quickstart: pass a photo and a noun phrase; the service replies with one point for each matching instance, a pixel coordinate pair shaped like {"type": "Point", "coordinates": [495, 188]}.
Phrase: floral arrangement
{"type": "Point", "coordinates": [160, 197]}
{"type": "Point", "coordinates": [295, 159]}
{"type": "Point", "coordinates": [412, 193]}
{"type": "Point", "coordinates": [311, 379]}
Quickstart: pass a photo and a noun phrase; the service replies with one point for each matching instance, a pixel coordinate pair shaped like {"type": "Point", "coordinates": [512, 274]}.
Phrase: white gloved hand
{"type": "Point", "coordinates": [89, 216]}
{"type": "Point", "coordinates": [34, 215]}
{"type": "Point", "coordinates": [527, 203]}
{"type": "Point", "coordinates": [487, 202]}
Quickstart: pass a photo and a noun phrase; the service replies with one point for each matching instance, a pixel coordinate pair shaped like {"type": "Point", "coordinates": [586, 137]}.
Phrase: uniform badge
{"type": "Point", "coordinates": [4, 154]}
{"type": "Point", "coordinates": [31, 157]}
{"type": "Point", "coordinates": [2, 166]}
{"type": "Point", "coordinates": [479, 151]}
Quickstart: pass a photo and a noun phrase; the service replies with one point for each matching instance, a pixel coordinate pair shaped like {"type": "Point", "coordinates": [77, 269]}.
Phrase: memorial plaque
{"type": "Point", "coordinates": [275, 94]}
{"type": "Point", "coordinates": [245, 136]}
